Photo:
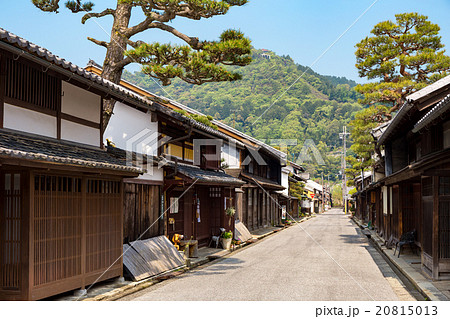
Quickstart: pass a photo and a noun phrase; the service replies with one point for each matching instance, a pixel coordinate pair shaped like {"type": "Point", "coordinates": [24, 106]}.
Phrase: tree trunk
{"type": "Point", "coordinates": [115, 54]}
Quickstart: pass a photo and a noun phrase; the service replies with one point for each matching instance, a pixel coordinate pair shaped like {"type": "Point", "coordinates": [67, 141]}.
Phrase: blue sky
{"type": "Point", "coordinates": [298, 28]}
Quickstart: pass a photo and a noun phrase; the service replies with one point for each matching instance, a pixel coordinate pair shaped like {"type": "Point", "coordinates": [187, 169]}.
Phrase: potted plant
{"type": "Point", "coordinates": [225, 239]}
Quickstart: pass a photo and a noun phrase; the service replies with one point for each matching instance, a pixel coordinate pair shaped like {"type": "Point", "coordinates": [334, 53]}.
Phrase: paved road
{"type": "Point", "coordinates": [325, 258]}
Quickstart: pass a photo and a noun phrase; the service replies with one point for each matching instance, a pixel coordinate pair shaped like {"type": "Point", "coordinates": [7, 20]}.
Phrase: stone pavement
{"type": "Point", "coordinates": [410, 265]}
{"type": "Point", "coordinates": [325, 258]}
{"type": "Point", "coordinates": [116, 288]}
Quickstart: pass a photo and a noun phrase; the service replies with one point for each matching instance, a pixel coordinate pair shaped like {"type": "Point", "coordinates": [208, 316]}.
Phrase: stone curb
{"type": "Point", "coordinates": [419, 281]}
{"type": "Point", "coordinates": [134, 287]}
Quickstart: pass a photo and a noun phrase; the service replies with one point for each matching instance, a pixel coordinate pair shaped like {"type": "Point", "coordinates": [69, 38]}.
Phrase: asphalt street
{"type": "Point", "coordinates": [325, 258]}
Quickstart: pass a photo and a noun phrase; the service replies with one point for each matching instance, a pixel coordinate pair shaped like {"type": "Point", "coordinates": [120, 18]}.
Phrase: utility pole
{"type": "Point", "coordinates": [329, 192]}
{"type": "Point", "coordinates": [323, 195]}
{"type": "Point", "coordinates": [343, 136]}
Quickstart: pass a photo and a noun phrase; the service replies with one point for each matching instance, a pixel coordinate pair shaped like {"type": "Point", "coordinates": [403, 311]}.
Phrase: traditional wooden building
{"type": "Point", "coordinates": [60, 190]}
{"type": "Point", "coordinates": [363, 198]}
{"type": "Point", "coordinates": [257, 203]}
{"type": "Point", "coordinates": [197, 191]}
{"type": "Point", "coordinates": [260, 201]}
{"type": "Point", "coordinates": [414, 193]}
{"type": "Point", "coordinates": [184, 190]}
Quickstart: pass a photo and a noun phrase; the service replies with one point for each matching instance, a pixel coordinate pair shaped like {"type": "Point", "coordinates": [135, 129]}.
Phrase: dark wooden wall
{"type": "Point", "coordinates": [142, 212]}
{"type": "Point", "coordinates": [70, 233]}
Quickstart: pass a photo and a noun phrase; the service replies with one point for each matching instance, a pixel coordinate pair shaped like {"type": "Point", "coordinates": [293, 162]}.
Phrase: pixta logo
{"type": "Point", "coordinates": [142, 147]}
{"type": "Point", "coordinates": [308, 153]}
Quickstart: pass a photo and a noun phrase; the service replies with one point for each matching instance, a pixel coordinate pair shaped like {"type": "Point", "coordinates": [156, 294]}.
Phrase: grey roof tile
{"type": "Point", "coordinates": [434, 113]}
{"type": "Point", "coordinates": [205, 176]}
{"type": "Point", "coordinates": [24, 146]}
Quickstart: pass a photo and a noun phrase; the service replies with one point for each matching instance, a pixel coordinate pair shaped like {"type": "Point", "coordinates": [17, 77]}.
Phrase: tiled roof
{"type": "Point", "coordinates": [205, 176]}
{"type": "Point", "coordinates": [429, 89]}
{"type": "Point", "coordinates": [263, 182]}
{"type": "Point", "coordinates": [22, 146]}
{"type": "Point", "coordinates": [412, 99]}
{"type": "Point", "coordinates": [264, 146]}
{"type": "Point", "coordinates": [45, 54]}
{"type": "Point", "coordinates": [379, 130]}
{"type": "Point", "coordinates": [108, 86]}
{"type": "Point", "coordinates": [434, 113]}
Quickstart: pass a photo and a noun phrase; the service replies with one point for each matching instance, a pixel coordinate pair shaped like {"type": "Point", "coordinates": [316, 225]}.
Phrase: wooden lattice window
{"type": "Point", "coordinates": [103, 224]}
{"type": "Point", "coordinates": [31, 86]}
{"type": "Point", "coordinates": [444, 229]}
{"type": "Point", "coordinates": [10, 235]}
{"type": "Point", "coordinates": [215, 192]}
{"type": "Point", "coordinates": [444, 185]}
{"type": "Point", "coordinates": [427, 186]}
{"type": "Point", "coordinates": [57, 228]}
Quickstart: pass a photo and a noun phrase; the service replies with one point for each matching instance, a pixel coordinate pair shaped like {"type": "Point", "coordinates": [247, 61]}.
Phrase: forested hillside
{"type": "Point", "coordinates": [315, 107]}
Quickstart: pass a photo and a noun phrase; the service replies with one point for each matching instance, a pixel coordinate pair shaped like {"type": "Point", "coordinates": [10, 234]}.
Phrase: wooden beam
{"type": "Point", "coordinates": [30, 264]}
{"type": "Point", "coordinates": [435, 235]}
{"type": "Point", "coordinates": [64, 167]}
{"type": "Point", "coordinates": [401, 191]}
{"type": "Point", "coordinates": [84, 182]}
{"type": "Point", "coordinates": [437, 172]}
{"type": "Point", "coordinates": [29, 106]}
{"type": "Point", "coordinates": [79, 120]}
{"type": "Point", "coordinates": [120, 219]}
{"type": "Point", "coordinates": [101, 123]}
{"type": "Point", "coordinates": [142, 182]}
{"type": "Point", "coordinates": [58, 109]}
{"type": "Point", "coordinates": [2, 88]}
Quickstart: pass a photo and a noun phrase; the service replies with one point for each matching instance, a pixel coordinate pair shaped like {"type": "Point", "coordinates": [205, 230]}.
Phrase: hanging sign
{"type": "Point", "coordinates": [174, 205]}
{"type": "Point", "coordinates": [198, 211]}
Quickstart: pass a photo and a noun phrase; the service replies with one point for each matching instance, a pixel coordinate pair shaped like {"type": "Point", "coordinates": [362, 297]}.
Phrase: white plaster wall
{"type": "Point", "coordinates": [21, 119]}
{"type": "Point", "coordinates": [157, 174]}
{"type": "Point", "coordinates": [231, 155]}
{"type": "Point", "coordinates": [79, 133]}
{"type": "Point", "coordinates": [132, 130]}
{"type": "Point", "coordinates": [80, 103]}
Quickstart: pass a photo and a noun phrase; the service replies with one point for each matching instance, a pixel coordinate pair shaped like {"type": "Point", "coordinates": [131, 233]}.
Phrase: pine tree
{"type": "Point", "coordinates": [405, 56]}
{"type": "Point", "coordinates": [196, 62]}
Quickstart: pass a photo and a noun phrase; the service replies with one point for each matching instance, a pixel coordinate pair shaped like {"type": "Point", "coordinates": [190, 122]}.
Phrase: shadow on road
{"type": "Point", "coordinates": [354, 239]}
{"type": "Point", "coordinates": [219, 268]}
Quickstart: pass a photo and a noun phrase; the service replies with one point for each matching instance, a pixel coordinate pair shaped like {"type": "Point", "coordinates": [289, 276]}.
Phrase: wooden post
{"type": "Point", "coordinates": [250, 208]}
{"type": "Point", "coordinates": [84, 182]}
{"type": "Point", "coordinates": [435, 242]}
{"type": "Point", "coordinates": [2, 87]}
{"type": "Point", "coordinates": [255, 208]}
{"type": "Point", "coordinates": [401, 194]}
{"type": "Point", "coordinates": [120, 219]}
{"type": "Point", "coordinates": [29, 229]}
{"type": "Point", "coordinates": [58, 109]}
{"type": "Point", "coordinates": [102, 128]}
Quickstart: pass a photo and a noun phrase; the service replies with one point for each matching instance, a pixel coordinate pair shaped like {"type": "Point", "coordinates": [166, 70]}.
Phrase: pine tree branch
{"type": "Point", "coordinates": [98, 42]}
{"type": "Point", "coordinates": [98, 15]}
{"type": "Point", "coordinates": [192, 41]}
{"type": "Point", "coordinates": [134, 44]}
{"type": "Point", "coordinates": [123, 63]}
{"type": "Point", "coordinates": [150, 23]}
{"type": "Point", "coordinates": [146, 24]}
{"type": "Point", "coordinates": [77, 6]}
{"type": "Point", "coordinates": [47, 5]}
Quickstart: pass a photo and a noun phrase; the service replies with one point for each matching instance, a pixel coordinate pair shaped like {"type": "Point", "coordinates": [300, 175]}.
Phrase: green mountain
{"type": "Point", "coordinates": [276, 99]}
